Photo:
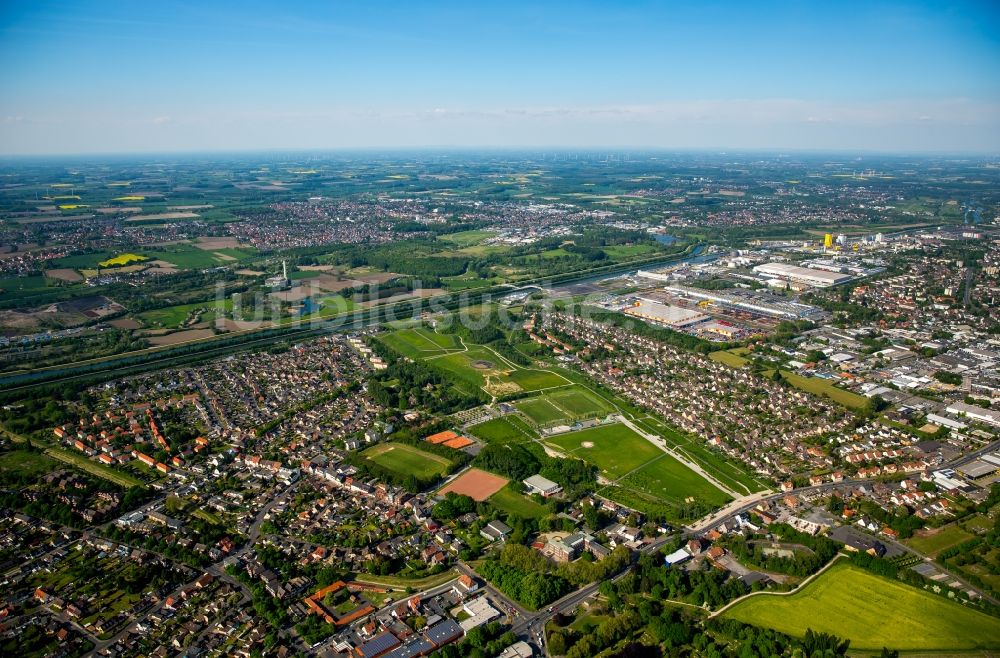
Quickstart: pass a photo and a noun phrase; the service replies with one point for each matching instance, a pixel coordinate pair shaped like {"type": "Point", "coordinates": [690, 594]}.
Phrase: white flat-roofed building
{"type": "Point", "coordinates": [806, 275]}
{"type": "Point", "coordinates": [668, 314]}
{"type": "Point", "coordinates": [989, 416]}
{"type": "Point", "coordinates": [540, 485]}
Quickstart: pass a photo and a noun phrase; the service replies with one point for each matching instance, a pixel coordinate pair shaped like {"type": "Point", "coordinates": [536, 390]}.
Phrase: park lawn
{"type": "Point", "coordinates": [948, 536]}
{"type": "Point", "coordinates": [22, 462]}
{"type": "Point", "coordinates": [438, 341]}
{"type": "Point", "coordinates": [333, 305]}
{"type": "Point", "coordinates": [95, 468]}
{"type": "Point", "coordinates": [501, 430]}
{"type": "Point", "coordinates": [669, 479]}
{"type": "Point", "coordinates": [536, 380]}
{"type": "Point", "coordinates": [410, 343]}
{"type": "Point", "coordinates": [406, 460]}
{"type": "Point", "coordinates": [616, 450]}
{"type": "Point", "coordinates": [460, 365]}
{"type": "Point", "coordinates": [518, 504]}
{"type": "Point", "coordinates": [872, 612]}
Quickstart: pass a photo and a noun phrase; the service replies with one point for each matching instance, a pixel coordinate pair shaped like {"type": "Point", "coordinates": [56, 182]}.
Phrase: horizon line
{"type": "Point", "coordinates": [623, 149]}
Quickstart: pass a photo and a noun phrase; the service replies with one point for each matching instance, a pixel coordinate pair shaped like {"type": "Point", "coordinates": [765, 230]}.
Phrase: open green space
{"type": "Point", "coordinates": [615, 449]}
{"type": "Point", "coordinates": [669, 479]}
{"type": "Point", "coordinates": [94, 468]}
{"type": "Point", "coordinates": [25, 463]}
{"type": "Point", "coordinates": [467, 238]}
{"type": "Point", "coordinates": [512, 502]}
{"type": "Point", "coordinates": [171, 317]}
{"type": "Point", "coordinates": [398, 582]}
{"type": "Point", "coordinates": [729, 358]}
{"type": "Point", "coordinates": [825, 387]}
{"type": "Point", "coordinates": [942, 539]}
{"type": "Point", "coordinates": [420, 341]}
{"type": "Point", "coordinates": [872, 612]}
{"type": "Point", "coordinates": [624, 252]}
{"type": "Point", "coordinates": [481, 367]}
{"type": "Point", "coordinates": [541, 411]}
{"type": "Point", "coordinates": [727, 472]}
{"type": "Point", "coordinates": [406, 460]}
{"type": "Point", "coordinates": [22, 283]}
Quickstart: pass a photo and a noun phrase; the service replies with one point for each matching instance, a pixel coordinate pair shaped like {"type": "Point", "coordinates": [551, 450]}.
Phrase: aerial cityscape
{"type": "Point", "coordinates": [311, 376]}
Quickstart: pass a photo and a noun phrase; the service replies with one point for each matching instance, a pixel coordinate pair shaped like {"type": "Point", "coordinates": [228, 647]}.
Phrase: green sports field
{"type": "Point", "coordinates": [541, 411]}
{"type": "Point", "coordinates": [564, 405]}
{"type": "Point", "coordinates": [666, 478]}
{"type": "Point", "coordinates": [503, 430]}
{"type": "Point", "coordinates": [406, 460]}
{"type": "Point", "coordinates": [614, 449]}
{"type": "Point", "coordinates": [872, 612]}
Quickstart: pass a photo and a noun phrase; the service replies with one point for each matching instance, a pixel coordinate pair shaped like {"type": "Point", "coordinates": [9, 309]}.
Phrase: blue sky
{"type": "Point", "coordinates": [87, 77]}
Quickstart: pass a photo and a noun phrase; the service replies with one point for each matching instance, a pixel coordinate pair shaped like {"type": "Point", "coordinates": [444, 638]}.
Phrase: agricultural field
{"type": "Point", "coordinates": [512, 502]}
{"type": "Point", "coordinates": [872, 612]}
{"type": "Point", "coordinates": [122, 259]}
{"type": "Point", "coordinates": [406, 460]}
{"type": "Point", "coordinates": [188, 257]}
{"type": "Point", "coordinates": [615, 449]}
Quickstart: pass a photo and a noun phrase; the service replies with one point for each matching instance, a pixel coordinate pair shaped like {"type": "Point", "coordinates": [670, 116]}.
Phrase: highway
{"type": "Point", "coordinates": [164, 356]}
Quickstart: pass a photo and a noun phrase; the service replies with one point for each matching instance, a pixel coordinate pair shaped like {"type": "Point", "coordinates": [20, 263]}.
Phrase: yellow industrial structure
{"type": "Point", "coordinates": [828, 240]}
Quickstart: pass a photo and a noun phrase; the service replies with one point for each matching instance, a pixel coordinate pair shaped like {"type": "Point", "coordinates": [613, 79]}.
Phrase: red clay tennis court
{"type": "Point", "coordinates": [458, 442]}
{"type": "Point", "coordinates": [441, 437]}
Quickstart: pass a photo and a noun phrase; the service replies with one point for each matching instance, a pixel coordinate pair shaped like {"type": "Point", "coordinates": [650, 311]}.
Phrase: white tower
{"type": "Point", "coordinates": [284, 270]}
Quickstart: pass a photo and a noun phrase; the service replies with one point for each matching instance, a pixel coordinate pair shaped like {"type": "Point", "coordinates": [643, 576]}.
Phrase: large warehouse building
{"type": "Point", "coordinates": [673, 316]}
{"type": "Point", "coordinates": [806, 275]}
